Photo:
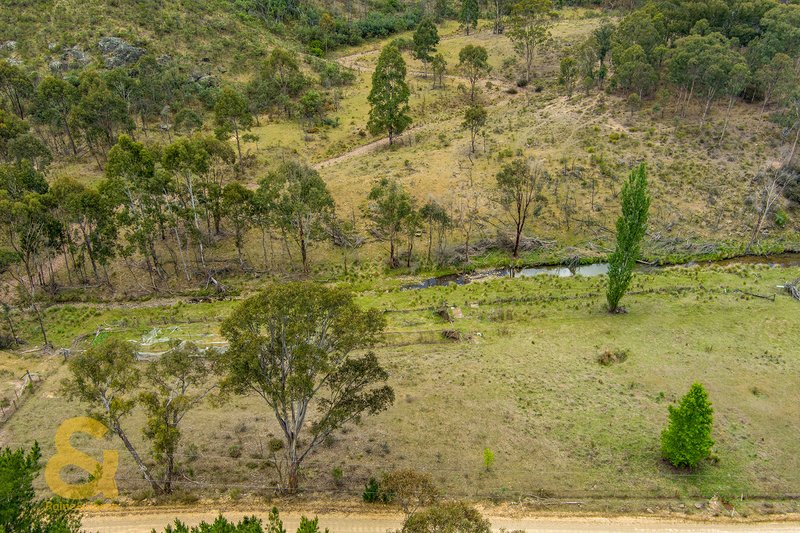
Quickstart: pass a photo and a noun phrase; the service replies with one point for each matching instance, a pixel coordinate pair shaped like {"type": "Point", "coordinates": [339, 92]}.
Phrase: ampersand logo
{"type": "Point", "coordinates": [102, 480]}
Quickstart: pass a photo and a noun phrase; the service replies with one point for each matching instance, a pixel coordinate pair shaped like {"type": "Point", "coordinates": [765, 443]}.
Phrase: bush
{"type": "Point", "coordinates": [610, 357]}
{"type": "Point", "coordinates": [687, 439]}
{"type": "Point", "coordinates": [488, 458]}
{"type": "Point", "coordinates": [372, 491]}
{"type": "Point", "coordinates": [451, 516]}
{"type": "Point", "coordinates": [409, 489]}
{"type": "Point", "coordinates": [235, 451]}
{"type": "Point", "coordinates": [309, 526]}
{"type": "Point", "coordinates": [781, 218]}
{"type": "Point", "coordinates": [338, 476]}
{"type": "Point", "coordinates": [249, 524]}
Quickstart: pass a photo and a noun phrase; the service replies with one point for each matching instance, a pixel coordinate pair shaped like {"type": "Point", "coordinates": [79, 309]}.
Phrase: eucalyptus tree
{"type": "Point", "coordinates": [174, 385]}
{"type": "Point", "coordinates": [304, 205]}
{"type": "Point", "coordinates": [519, 187]}
{"type": "Point", "coordinates": [388, 97]}
{"type": "Point", "coordinates": [438, 222]}
{"type": "Point", "coordinates": [237, 202]}
{"type": "Point", "coordinates": [55, 98]}
{"type": "Point", "coordinates": [390, 208]}
{"type": "Point", "coordinates": [473, 62]}
{"type": "Point", "coordinates": [300, 347]}
{"type": "Point", "coordinates": [133, 183]}
{"type": "Point", "coordinates": [232, 116]}
{"type": "Point", "coordinates": [528, 28]}
{"type": "Point", "coordinates": [468, 16]}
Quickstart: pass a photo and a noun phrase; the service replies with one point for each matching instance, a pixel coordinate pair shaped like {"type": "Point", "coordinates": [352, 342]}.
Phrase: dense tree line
{"type": "Point", "coordinates": [707, 51]}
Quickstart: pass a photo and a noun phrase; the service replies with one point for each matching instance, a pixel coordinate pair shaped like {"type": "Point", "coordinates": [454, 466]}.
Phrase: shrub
{"type": "Point", "coordinates": [450, 516]}
{"type": "Point", "coordinates": [309, 526]}
{"type": "Point", "coordinates": [781, 218]}
{"type": "Point", "coordinates": [249, 524]}
{"type": "Point", "coordinates": [338, 476]}
{"type": "Point", "coordinates": [372, 491]}
{"type": "Point", "coordinates": [235, 451]}
{"type": "Point", "coordinates": [488, 458]}
{"type": "Point", "coordinates": [687, 439]}
{"type": "Point", "coordinates": [610, 357]}
{"type": "Point", "coordinates": [409, 489]}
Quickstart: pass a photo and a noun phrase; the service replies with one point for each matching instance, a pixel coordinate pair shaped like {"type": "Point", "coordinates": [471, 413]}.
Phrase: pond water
{"type": "Point", "coordinates": [596, 269]}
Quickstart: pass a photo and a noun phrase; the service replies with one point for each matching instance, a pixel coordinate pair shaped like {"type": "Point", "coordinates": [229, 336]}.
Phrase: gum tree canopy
{"type": "Point", "coordinates": [299, 346]}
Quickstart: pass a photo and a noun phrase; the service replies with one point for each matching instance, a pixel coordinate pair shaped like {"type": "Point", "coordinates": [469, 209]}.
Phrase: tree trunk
{"type": "Point", "coordinates": [142, 467]}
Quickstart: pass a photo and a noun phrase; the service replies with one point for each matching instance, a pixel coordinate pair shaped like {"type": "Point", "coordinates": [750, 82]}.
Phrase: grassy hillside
{"type": "Point", "coordinates": [524, 381]}
{"type": "Point", "coordinates": [214, 30]}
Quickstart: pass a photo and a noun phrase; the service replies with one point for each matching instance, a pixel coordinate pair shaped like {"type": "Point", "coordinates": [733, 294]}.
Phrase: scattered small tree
{"type": "Point", "coordinates": [438, 221]}
{"type": "Point", "coordinates": [176, 383]}
{"type": "Point", "coordinates": [474, 121]}
{"type": "Point", "coordinates": [631, 228]}
{"type": "Point", "coordinates": [568, 74]}
{"type": "Point", "coordinates": [687, 439]}
{"type": "Point", "coordinates": [388, 98]}
{"type": "Point", "coordinates": [304, 204]}
{"type": "Point", "coordinates": [470, 11]}
{"type": "Point", "coordinates": [237, 204]}
{"type": "Point", "coordinates": [520, 185]}
{"type": "Point", "coordinates": [439, 66]}
{"type": "Point", "coordinates": [389, 207]}
{"type": "Point", "coordinates": [529, 27]}
{"type": "Point", "coordinates": [426, 37]}
{"type": "Point", "coordinates": [293, 345]}
{"type": "Point", "coordinates": [473, 62]}
{"type": "Point", "coordinates": [232, 116]}
{"type": "Point", "coordinates": [106, 378]}
{"type": "Point", "coordinates": [488, 458]}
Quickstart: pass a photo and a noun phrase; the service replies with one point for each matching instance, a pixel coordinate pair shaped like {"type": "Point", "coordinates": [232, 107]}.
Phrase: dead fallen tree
{"type": "Point", "coordinates": [793, 288]}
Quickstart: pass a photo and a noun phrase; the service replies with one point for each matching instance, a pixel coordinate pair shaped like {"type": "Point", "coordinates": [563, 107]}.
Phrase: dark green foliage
{"type": "Point", "coordinates": [388, 97]}
{"type": "Point", "coordinates": [309, 526]}
{"type": "Point", "coordinates": [277, 84]}
{"type": "Point", "coordinates": [248, 524]}
{"type": "Point", "coordinates": [19, 508]}
{"type": "Point", "coordinates": [372, 492]}
{"type": "Point", "coordinates": [631, 228]}
{"type": "Point", "coordinates": [470, 11]}
{"type": "Point", "coordinates": [450, 517]}
{"type": "Point", "coordinates": [426, 37]}
{"type": "Point", "coordinates": [687, 439]}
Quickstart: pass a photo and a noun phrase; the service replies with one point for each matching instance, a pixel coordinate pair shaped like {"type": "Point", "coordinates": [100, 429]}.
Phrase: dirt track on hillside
{"type": "Point", "coordinates": [119, 522]}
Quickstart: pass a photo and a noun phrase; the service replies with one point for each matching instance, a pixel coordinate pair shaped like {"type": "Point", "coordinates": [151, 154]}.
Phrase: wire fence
{"type": "Point", "coordinates": [22, 390]}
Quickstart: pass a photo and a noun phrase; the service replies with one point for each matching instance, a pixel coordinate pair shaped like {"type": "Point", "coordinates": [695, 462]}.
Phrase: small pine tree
{"type": "Point", "coordinates": [631, 227]}
{"type": "Point", "coordinates": [488, 458]}
{"type": "Point", "coordinates": [687, 439]}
